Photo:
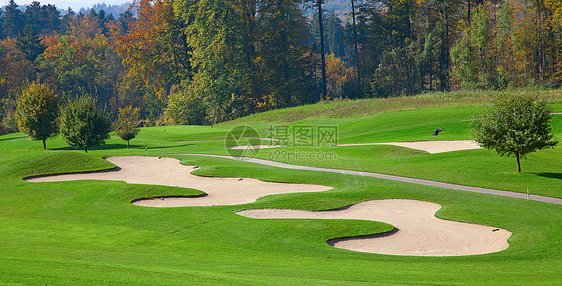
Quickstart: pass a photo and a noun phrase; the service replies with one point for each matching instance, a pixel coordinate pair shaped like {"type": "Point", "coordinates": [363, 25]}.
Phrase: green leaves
{"type": "Point", "coordinates": [126, 125]}
{"type": "Point", "coordinates": [37, 112]}
{"type": "Point", "coordinates": [83, 125]}
{"type": "Point", "coordinates": [515, 125]}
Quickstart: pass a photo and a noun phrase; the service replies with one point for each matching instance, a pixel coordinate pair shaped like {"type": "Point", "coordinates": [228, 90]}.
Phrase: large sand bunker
{"type": "Point", "coordinates": [169, 172]}
{"type": "Point", "coordinates": [431, 147]}
{"type": "Point", "coordinates": [418, 233]}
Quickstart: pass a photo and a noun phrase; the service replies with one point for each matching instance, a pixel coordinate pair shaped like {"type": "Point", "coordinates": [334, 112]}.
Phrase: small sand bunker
{"type": "Point", "coordinates": [419, 232]}
{"type": "Point", "coordinates": [169, 172]}
{"type": "Point", "coordinates": [246, 147]}
{"type": "Point", "coordinates": [431, 147]}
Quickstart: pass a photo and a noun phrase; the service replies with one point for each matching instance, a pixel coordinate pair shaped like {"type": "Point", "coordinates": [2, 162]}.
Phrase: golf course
{"type": "Point", "coordinates": [368, 205]}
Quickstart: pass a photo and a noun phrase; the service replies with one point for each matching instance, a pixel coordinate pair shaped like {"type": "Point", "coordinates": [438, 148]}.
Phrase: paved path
{"type": "Point", "coordinates": [394, 178]}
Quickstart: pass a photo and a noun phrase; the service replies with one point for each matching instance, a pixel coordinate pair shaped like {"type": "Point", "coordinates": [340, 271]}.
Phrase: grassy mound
{"type": "Point", "coordinates": [88, 232]}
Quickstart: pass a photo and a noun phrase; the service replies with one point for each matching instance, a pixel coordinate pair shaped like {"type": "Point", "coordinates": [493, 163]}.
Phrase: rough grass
{"type": "Point", "coordinates": [344, 108]}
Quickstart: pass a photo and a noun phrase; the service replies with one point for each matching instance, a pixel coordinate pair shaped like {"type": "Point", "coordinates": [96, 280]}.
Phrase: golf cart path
{"type": "Point", "coordinates": [393, 178]}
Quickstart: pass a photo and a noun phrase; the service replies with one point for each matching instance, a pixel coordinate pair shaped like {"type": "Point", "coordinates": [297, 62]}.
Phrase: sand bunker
{"type": "Point", "coordinates": [418, 233]}
{"type": "Point", "coordinates": [431, 147]}
{"type": "Point", "coordinates": [246, 147]}
{"type": "Point", "coordinates": [169, 172]}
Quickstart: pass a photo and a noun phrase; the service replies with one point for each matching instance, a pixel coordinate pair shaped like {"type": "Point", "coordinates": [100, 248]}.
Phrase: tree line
{"type": "Point", "coordinates": [207, 61]}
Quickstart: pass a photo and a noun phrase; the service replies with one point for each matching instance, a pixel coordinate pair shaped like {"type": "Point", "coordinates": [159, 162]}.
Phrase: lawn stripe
{"type": "Point", "coordinates": [393, 178]}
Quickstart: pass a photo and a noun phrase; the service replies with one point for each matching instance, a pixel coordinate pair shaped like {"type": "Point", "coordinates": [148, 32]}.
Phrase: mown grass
{"type": "Point", "coordinates": [88, 233]}
{"type": "Point", "coordinates": [481, 168]}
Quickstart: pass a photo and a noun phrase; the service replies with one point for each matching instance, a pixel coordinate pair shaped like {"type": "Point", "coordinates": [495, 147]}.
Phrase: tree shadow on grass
{"type": "Point", "coordinates": [119, 146]}
{"type": "Point", "coordinates": [168, 147]}
{"type": "Point", "coordinates": [551, 175]}
{"type": "Point", "coordinates": [6, 139]}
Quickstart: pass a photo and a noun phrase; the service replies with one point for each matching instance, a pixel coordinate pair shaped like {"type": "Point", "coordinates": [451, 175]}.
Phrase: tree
{"type": "Point", "coordinates": [37, 112]}
{"type": "Point", "coordinates": [29, 43]}
{"type": "Point", "coordinates": [83, 125]}
{"type": "Point", "coordinates": [126, 125]}
{"type": "Point", "coordinates": [516, 125]}
{"type": "Point", "coordinates": [12, 20]}
{"type": "Point", "coordinates": [15, 70]}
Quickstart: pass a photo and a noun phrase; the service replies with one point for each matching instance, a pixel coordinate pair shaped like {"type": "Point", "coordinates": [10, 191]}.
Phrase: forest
{"type": "Point", "coordinates": [208, 61]}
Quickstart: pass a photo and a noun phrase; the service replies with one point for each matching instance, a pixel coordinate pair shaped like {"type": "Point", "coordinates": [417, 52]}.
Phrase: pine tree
{"type": "Point", "coordinates": [30, 44]}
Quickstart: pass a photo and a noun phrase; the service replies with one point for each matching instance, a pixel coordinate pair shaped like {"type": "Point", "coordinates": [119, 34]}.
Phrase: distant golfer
{"type": "Point", "coordinates": [436, 132]}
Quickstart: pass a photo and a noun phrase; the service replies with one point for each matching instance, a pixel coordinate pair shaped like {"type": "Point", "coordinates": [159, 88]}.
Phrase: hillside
{"type": "Point", "coordinates": [363, 107]}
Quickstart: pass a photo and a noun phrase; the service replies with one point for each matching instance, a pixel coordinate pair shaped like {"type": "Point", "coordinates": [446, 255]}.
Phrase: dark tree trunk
{"type": "Point", "coordinates": [127, 144]}
{"type": "Point", "coordinates": [44, 145]}
{"type": "Point", "coordinates": [357, 63]}
{"type": "Point", "coordinates": [86, 149]}
{"type": "Point", "coordinates": [444, 55]}
{"type": "Point", "coordinates": [321, 24]}
{"type": "Point", "coordinates": [468, 4]}
{"type": "Point", "coordinates": [518, 163]}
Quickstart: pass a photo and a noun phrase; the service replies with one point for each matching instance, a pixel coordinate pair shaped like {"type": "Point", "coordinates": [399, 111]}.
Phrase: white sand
{"type": "Point", "coordinates": [431, 147]}
{"type": "Point", "coordinates": [419, 233]}
{"type": "Point", "coordinates": [169, 172]}
{"type": "Point", "coordinates": [246, 147]}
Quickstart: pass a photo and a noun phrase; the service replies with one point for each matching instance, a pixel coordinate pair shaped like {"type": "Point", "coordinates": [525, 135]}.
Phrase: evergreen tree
{"type": "Point", "coordinates": [50, 17]}
{"type": "Point", "coordinates": [33, 18]}
{"type": "Point", "coordinates": [29, 43]}
{"type": "Point", "coordinates": [12, 20]}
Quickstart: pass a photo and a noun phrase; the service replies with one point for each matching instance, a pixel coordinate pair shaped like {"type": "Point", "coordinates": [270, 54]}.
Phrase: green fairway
{"type": "Point", "coordinates": [88, 232]}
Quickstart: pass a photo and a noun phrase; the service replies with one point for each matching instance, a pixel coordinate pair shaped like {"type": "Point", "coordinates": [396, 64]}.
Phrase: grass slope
{"type": "Point", "coordinates": [88, 233]}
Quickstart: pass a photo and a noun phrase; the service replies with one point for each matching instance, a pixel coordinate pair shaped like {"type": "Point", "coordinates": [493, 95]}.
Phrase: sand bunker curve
{"type": "Point", "coordinates": [419, 232]}
{"type": "Point", "coordinates": [431, 147]}
{"type": "Point", "coordinates": [169, 172]}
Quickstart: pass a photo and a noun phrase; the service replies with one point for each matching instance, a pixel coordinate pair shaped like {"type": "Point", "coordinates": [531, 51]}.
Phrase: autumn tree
{"type": "Point", "coordinates": [185, 108]}
{"type": "Point", "coordinates": [517, 125]}
{"type": "Point", "coordinates": [15, 69]}
{"type": "Point", "coordinates": [75, 66]}
{"type": "Point", "coordinates": [126, 125]}
{"type": "Point", "coordinates": [154, 46]}
{"type": "Point", "coordinates": [83, 125]}
{"type": "Point", "coordinates": [37, 112]}
{"type": "Point", "coordinates": [341, 77]}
